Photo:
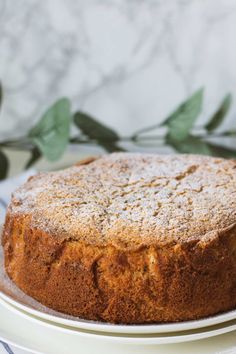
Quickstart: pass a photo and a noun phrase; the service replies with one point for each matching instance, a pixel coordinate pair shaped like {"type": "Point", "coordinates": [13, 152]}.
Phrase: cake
{"type": "Point", "coordinates": [127, 238]}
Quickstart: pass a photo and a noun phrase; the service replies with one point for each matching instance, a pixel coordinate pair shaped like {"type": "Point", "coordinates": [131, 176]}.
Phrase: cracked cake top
{"type": "Point", "coordinates": [130, 199]}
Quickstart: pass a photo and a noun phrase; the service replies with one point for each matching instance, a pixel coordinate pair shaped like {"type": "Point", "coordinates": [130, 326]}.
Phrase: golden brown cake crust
{"type": "Point", "coordinates": [127, 238]}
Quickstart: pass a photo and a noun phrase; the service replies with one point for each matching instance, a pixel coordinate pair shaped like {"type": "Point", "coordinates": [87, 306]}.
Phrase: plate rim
{"type": "Point", "coordinates": [125, 340]}
{"type": "Point", "coordinates": [116, 328]}
{"type": "Point", "coordinates": [124, 329]}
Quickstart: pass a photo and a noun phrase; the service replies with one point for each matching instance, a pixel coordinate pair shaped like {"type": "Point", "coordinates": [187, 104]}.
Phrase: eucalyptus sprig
{"type": "Point", "coordinates": [51, 135]}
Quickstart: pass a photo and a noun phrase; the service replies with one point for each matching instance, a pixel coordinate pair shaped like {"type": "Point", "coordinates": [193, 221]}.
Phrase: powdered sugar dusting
{"type": "Point", "coordinates": [132, 197]}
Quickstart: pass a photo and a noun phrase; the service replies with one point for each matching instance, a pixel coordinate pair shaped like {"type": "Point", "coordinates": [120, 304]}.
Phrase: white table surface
{"type": "Point", "coordinates": [6, 349]}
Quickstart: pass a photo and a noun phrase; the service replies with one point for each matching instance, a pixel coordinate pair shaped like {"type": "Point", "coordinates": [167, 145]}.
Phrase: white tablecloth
{"type": "Point", "coordinates": [5, 348]}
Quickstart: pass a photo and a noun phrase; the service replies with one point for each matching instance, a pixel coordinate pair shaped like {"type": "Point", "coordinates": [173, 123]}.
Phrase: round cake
{"type": "Point", "coordinates": [127, 238]}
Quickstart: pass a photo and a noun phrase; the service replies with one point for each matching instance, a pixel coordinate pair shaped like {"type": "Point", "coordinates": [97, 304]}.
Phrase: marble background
{"type": "Point", "coordinates": [126, 62]}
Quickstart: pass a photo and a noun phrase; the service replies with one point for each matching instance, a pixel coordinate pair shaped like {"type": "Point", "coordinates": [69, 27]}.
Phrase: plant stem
{"type": "Point", "coordinates": [26, 144]}
{"type": "Point", "coordinates": [144, 130]}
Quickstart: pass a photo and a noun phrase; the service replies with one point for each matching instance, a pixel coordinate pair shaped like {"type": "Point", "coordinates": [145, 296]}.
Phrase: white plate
{"type": "Point", "coordinates": [39, 337]}
{"type": "Point", "coordinates": [59, 318]}
{"type": "Point", "coordinates": [147, 340]}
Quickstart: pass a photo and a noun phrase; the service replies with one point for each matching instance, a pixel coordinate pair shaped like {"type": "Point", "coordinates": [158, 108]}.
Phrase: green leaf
{"type": "Point", "coordinates": [51, 134]}
{"type": "Point", "coordinates": [111, 147]}
{"type": "Point", "coordinates": [195, 145]}
{"type": "Point", "coordinates": [222, 151]}
{"type": "Point", "coordinates": [4, 165]}
{"type": "Point", "coordinates": [94, 129]}
{"type": "Point", "coordinates": [231, 133]}
{"type": "Point", "coordinates": [219, 115]}
{"type": "Point", "coordinates": [191, 145]}
{"type": "Point", "coordinates": [181, 121]}
{"type": "Point", "coordinates": [35, 156]}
